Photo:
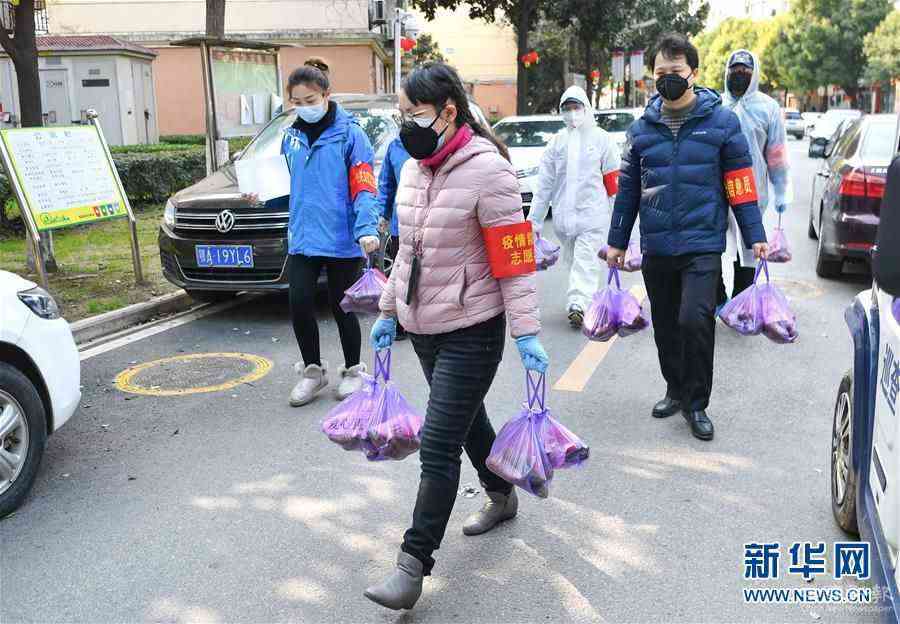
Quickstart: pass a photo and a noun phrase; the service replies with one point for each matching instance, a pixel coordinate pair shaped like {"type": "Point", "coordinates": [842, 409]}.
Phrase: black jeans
{"type": "Point", "coordinates": [743, 279]}
{"type": "Point", "coordinates": [460, 367]}
{"type": "Point", "coordinates": [304, 274]}
{"type": "Point", "coordinates": [682, 291]}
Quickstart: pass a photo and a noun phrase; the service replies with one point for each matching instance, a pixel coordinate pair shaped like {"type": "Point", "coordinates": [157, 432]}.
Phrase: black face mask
{"type": "Point", "coordinates": [671, 86]}
{"type": "Point", "coordinates": [738, 83]}
{"type": "Point", "coordinates": [420, 142]}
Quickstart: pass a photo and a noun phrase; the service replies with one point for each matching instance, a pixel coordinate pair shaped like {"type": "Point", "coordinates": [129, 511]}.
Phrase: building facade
{"type": "Point", "coordinates": [345, 33]}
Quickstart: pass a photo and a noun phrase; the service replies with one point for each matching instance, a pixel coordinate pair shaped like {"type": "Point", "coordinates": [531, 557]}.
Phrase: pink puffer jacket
{"type": "Point", "coordinates": [475, 188]}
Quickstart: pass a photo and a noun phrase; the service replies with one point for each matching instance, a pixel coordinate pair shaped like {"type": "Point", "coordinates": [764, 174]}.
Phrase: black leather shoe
{"type": "Point", "coordinates": [665, 408]}
{"type": "Point", "coordinates": [701, 425]}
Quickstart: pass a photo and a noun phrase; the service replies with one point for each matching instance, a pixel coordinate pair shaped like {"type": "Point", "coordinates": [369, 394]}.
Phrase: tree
{"type": "Point", "coordinates": [882, 49]}
{"type": "Point", "coordinates": [522, 14]}
{"type": "Point", "coordinates": [426, 49]}
{"type": "Point", "coordinates": [20, 44]}
{"type": "Point", "coordinates": [822, 43]}
{"type": "Point", "coordinates": [215, 18]}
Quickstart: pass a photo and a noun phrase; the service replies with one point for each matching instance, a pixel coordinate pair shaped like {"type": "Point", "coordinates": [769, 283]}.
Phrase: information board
{"type": "Point", "coordinates": [65, 175]}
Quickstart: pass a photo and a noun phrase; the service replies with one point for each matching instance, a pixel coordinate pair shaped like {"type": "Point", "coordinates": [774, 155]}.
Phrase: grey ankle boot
{"type": "Point", "coordinates": [402, 588]}
{"type": "Point", "coordinates": [499, 507]}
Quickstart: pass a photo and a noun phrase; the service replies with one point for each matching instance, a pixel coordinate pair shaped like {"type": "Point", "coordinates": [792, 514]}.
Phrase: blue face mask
{"type": "Point", "coordinates": [312, 114]}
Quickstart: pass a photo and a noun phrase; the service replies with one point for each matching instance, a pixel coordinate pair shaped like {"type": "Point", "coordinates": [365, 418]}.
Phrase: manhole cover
{"type": "Point", "coordinates": [795, 289]}
{"type": "Point", "coordinates": [193, 374]}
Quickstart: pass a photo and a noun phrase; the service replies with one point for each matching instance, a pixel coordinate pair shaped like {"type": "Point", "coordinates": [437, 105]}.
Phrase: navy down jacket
{"type": "Point", "coordinates": [682, 186]}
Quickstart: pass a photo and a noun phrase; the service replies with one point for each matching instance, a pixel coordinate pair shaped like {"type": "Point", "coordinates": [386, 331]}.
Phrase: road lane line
{"type": "Point", "coordinates": [592, 355]}
{"type": "Point", "coordinates": [158, 328]}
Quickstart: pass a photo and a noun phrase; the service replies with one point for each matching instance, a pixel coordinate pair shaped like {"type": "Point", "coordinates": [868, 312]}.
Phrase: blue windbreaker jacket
{"type": "Point", "coordinates": [326, 217]}
{"type": "Point", "coordinates": [387, 182]}
{"type": "Point", "coordinates": [682, 187]}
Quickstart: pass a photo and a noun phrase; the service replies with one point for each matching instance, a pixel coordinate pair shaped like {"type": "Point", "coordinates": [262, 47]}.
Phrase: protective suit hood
{"type": "Point", "coordinates": [577, 93]}
{"type": "Point", "coordinates": [753, 89]}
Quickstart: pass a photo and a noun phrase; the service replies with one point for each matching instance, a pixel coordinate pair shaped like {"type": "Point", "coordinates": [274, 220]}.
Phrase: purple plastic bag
{"type": "Point", "coordinates": [761, 309]}
{"type": "Point", "coordinates": [633, 257]}
{"type": "Point", "coordinates": [564, 449]}
{"type": "Point", "coordinates": [364, 295]}
{"type": "Point", "coordinates": [613, 311]}
{"type": "Point", "coordinates": [546, 254]}
{"type": "Point", "coordinates": [518, 455]}
{"type": "Point", "coordinates": [376, 419]}
{"type": "Point", "coordinates": [779, 250]}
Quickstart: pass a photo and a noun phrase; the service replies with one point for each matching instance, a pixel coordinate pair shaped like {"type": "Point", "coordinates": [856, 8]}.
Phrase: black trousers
{"type": "Point", "coordinates": [304, 274]}
{"type": "Point", "coordinates": [460, 367]}
{"type": "Point", "coordinates": [682, 291]}
{"type": "Point", "coordinates": [743, 279]}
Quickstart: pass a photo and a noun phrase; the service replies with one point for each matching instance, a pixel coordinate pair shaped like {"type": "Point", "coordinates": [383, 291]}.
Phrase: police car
{"type": "Point", "coordinates": [865, 441]}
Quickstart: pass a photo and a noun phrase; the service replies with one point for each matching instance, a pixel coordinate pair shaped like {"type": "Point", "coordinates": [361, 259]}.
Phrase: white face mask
{"type": "Point", "coordinates": [573, 118]}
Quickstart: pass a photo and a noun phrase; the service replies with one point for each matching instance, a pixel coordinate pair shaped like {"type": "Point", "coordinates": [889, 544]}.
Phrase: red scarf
{"type": "Point", "coordinates": [461, 138]}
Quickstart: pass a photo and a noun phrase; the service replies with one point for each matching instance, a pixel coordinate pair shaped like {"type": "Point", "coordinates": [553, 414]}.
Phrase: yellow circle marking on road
{"type": "Point", "coordinates": [261, 368]}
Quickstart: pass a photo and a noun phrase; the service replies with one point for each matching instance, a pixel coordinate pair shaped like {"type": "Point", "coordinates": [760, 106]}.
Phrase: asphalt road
{"type": "Point", "coordinates": [230, 506]}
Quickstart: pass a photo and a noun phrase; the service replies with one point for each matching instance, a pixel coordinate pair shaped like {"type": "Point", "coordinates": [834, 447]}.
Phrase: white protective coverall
{"type": "Point", "coordinates": [763, 126]}
{"type": "Point", "coordinates": [579, 176]}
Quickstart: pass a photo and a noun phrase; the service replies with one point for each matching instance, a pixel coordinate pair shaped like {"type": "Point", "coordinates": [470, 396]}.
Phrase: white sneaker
{"type": "Point", "coordinates": [350, 381]}
{"type": "Point", "coordinates": [314, 379]}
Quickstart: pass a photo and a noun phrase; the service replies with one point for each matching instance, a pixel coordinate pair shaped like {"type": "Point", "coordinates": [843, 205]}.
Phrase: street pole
{"type": "Point", "coordinates": [398, 29]}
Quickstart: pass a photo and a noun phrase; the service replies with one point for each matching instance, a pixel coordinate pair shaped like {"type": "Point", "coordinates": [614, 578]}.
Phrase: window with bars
{"type": "Point", "coordinates": [8, 10]}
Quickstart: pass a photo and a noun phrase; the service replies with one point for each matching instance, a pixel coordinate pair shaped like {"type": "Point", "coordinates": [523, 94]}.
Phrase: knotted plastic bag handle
{"type": "Point", "coordinates": [536, 388]}
{"type": "Point", "coordinates": [762, 266]}
{"type": "Point", "coordinates": [383, 365]}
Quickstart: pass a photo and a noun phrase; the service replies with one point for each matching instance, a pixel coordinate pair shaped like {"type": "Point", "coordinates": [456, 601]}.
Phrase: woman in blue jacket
{"type": "Point", "coordinates": [333, 223]}
{"type": "Point", "coordinates": [388, 180]}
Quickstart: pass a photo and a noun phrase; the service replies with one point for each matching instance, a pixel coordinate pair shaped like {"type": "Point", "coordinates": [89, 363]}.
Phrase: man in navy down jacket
{"type": "Point", "coordinates": [685, 162]}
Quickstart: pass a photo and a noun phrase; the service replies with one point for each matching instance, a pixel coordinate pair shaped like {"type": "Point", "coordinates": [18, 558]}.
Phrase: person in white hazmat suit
{"type": "Point", "coordinates": [578, 176]}
{"type": "Point", "coordinates": [762, 124]}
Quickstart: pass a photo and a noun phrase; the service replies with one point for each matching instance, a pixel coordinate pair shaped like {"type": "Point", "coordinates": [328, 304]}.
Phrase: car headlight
{"type": "Point", "coordinates": [40, 302]}
{"type": "Point", "coordinates": [527, 173]}
{"type": "Point", "coordinates": [169, 214]}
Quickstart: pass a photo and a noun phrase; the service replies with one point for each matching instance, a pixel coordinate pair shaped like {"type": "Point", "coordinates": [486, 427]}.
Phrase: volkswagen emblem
{"type": "Point", "coordinates": [225, 221]}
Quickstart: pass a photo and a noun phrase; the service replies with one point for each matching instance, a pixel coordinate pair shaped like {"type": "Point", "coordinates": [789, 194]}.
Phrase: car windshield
{"type": "Point", "coordinates": [614, 122]}
{"type": "Point", "coordinates": [378, 125]}
{"type": "Point", "coordinates": [879, 141]}
{"type": "Point", "coordinates": [527, 133]}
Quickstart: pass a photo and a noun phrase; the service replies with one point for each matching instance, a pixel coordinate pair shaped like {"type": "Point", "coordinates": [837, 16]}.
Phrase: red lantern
{"type": "Point", "coordinates": [407, 44]}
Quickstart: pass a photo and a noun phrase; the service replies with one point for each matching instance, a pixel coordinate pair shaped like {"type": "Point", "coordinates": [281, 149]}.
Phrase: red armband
{"type": "Point", "coordinates": [740, 186]}
{"type": "Point", "coordinates": [510, 249]}
{"type": "Point", "coordinates": [611, 182]}
{"type": "Point", "coordinates": [362, 179]}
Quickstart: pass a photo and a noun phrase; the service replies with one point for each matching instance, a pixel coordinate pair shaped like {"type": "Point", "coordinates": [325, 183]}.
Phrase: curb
{"type": "Point", "coordinates": [107, 323]}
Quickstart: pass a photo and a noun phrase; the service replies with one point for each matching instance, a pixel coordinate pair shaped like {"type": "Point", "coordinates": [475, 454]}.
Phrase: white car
{"type": "Point", "coordinates": [40, 382]}
{"type": "Point", "coordinates": [616, 121]}
{"type": "Point", "coordinates": [526, 138]}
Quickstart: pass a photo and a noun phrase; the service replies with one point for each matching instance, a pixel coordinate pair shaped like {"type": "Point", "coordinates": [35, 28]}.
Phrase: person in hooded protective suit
{"type": "Point", "coordinates": [578, 175]}
{"type": "Point", "coordinates": [762, 125]}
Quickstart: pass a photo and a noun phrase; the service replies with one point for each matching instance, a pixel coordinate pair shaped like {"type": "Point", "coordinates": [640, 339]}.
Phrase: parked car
{"type": "Point", "coordinates": [213, 214]}
{"type": "Point", "coordinates": [827, 126]}
{"type": "Point", "coordinates": [865, 450]}
{"type": "Point", "coordinates": [794, 124]}
{"type": "Point", "coordinates": [40, 383]}
{"type": "Point", "coordinates": [526, 138]}
{"type": "Point", "coordinates": [847, 192]}
{"type": "Point", "coordinates": [617, 121]}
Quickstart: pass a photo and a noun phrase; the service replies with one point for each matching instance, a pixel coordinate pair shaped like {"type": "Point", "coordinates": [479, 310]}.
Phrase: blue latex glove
{"type": "Point", "coordinates": [534, 358]}
{"type": "Point", "coordinates": [383, 333]}
{"type": "Point", "coordinates": [780, 208]}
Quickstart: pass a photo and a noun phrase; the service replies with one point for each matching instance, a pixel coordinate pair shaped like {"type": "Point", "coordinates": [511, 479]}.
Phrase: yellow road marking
{"type": "Point", "coordinates": [585, 364]}
{"type": "Point", "coordinates": [124, 382]}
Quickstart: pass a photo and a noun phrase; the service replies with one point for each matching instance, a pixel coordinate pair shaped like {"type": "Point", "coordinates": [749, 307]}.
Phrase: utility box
{"type": "Point", "coordinates": [80, 73]}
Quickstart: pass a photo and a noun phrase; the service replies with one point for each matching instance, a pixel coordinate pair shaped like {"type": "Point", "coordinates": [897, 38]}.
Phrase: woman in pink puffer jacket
{"type": "Point", "coordinates": [465, 266]}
